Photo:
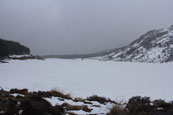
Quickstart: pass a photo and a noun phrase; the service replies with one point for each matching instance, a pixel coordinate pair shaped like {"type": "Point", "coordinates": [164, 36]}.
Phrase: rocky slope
{"type": "Point", "coordinates": [23, 102]}
{"type": "Point", "coordinates": [153, 47]}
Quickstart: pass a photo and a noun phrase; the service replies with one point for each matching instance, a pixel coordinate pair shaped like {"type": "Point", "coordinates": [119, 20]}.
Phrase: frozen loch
{"type": "Point", "coordinates": [82, 78]}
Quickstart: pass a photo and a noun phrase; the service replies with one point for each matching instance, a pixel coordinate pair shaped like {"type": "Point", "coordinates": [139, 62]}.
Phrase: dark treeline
{"type": "Point", "coordinates": [12, 48]}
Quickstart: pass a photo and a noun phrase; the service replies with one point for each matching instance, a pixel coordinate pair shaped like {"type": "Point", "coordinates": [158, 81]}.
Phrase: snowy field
{"type": "Point", "coordinates": [83, 78]}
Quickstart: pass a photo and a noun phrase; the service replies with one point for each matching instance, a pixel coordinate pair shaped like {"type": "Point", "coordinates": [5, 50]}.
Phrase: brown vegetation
{"type": "Point", "coordinates": [99, 99]}
{"type": "Point", "coordinates": [144, 106]}
{"type": "Point", "coordinates": [60, 94]}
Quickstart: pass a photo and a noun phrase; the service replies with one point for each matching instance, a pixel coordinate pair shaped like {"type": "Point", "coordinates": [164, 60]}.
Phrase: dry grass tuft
{"type": "Point", "coordinates": [117, 110]}
{"type": "Point", "coordinates": [60, 94]}
{"type": "Point", "coordinates": [76, 107]}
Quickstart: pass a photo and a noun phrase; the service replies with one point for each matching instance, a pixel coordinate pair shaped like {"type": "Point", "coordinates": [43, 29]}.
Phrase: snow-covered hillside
{"type": "Point", "coordinates": [154, 46]}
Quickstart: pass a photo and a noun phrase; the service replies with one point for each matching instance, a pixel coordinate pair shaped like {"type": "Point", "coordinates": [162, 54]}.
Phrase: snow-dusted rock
{"type": "Point", "coordinates": [154, 46]}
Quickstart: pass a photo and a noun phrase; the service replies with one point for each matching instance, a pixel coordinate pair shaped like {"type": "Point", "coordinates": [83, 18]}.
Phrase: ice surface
{"type": "Point", "coordinates": [83, 78]}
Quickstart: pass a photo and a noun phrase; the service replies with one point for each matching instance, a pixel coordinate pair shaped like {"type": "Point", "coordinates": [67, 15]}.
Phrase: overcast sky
{"type": "Point", "coordinates": [80, 26]}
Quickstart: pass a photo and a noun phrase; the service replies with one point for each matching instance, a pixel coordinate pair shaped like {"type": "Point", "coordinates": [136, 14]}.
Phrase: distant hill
{"type": "Point", "coordinates": [154, 46]}
{"type": "Point", "coordinates": [73, 56]}
{"type": "Point", "coordinates": [12, 48]}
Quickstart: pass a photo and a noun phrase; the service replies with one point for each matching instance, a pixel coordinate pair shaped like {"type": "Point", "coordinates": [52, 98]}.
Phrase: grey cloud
{"type": "Point", "coordinates": [80, 26]}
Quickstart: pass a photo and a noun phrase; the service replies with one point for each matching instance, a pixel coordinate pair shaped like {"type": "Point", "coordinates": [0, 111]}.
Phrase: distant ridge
{"type": "Point", "coordinates": [73, 56]}
{"type": "Point", "coordinates": [155, 46]}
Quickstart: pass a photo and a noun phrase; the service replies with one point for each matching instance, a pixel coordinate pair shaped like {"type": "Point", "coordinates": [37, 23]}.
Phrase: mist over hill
{"type": "Point", "coordinates": [154, 46]}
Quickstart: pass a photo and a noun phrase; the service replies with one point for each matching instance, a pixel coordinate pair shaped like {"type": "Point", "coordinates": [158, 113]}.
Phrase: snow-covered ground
{"type": "Point", "coordinates": [19, 56]}
{"type": "Point", "coordinates": [82, 78]}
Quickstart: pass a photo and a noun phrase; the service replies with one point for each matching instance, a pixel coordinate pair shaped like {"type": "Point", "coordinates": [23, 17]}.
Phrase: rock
{"type": "Point", "coordinates": [22, 91]}
{"type": "Point", "coordinates": [36, 105]}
